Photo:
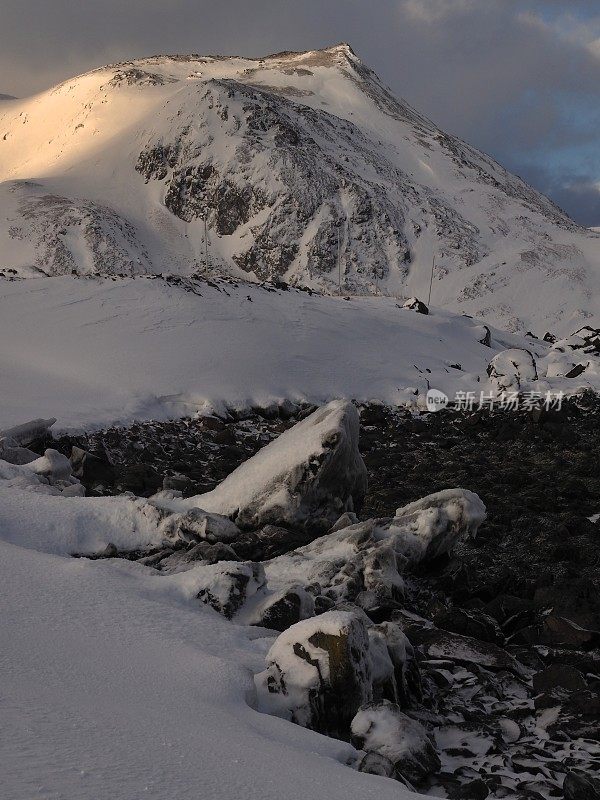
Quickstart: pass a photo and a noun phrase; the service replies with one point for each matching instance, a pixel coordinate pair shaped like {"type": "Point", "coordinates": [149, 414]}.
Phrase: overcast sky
{"type": "Point", "coordinates": [519, 79]}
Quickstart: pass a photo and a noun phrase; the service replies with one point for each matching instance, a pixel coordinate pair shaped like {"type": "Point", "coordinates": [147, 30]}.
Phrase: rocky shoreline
{"type": "Point", "coordinates": [467, 668]}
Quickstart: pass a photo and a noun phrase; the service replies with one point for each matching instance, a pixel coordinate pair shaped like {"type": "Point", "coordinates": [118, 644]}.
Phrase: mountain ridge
{"type": "Point", "coordinates": [302, 167]}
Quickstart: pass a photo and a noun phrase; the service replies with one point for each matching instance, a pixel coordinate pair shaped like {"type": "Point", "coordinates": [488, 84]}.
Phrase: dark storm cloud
{"type": "Point", "coordinates": [519, 79]}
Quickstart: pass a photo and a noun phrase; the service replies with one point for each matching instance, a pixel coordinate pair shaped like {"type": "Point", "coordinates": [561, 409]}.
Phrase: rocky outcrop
{"type": "Point", "coordinates": [306, 478]}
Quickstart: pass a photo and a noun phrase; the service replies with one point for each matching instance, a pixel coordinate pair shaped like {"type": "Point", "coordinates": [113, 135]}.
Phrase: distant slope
{"type": "Point", "coordinates": [93, 351]}
{"type": "Point", "coordinates": [302, 166]}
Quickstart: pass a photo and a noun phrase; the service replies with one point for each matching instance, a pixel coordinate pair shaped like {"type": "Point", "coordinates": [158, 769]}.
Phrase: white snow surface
{"type": "Point", "coordinates": [97, 351]}
{"type": "Point", "coordinates": [285, 156]}
{"type": "Point", "coordinates": [117, 682]}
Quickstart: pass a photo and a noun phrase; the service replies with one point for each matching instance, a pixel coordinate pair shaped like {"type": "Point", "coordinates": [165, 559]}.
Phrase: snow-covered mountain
{"type": "Point", "coordinates": [299, 166]}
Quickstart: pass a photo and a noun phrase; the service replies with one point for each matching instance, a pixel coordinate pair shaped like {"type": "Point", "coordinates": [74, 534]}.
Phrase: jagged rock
{"type": "Point", "coordinates": [318, 673]}
{"type": "Point", "coordinates": [380, 727]}
{"type": "Point", "coordinates": [92, 468]}
{"type": "Point", "coordinates": [226, 586]}
{"type": "Point", "coordinates": [439, 644]}
{"type": "Point", "coordinates": [347, 519]}
{"type": "Point", "coordinates": [395, 670]}
{"type": "Point", "coordinates": [510, 370]}
{"type": "Point", "coordinates": [414, 304]}
{"type": "Point", "coordinates": [474, 623]}
{"type": "Point", "coordinates": [581, 786]}
{"type": "Point", "coordinates": [306, 477]}
{"type": "Point", "coordinates": [280, 610]}
{"type": "Point", "coordinates": [28, 432]}
{"type": "Point", "coordinates": [275, 540]}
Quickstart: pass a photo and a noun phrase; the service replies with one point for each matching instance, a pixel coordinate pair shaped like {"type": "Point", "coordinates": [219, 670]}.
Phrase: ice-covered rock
{"type": "Point", "coordinates": [27, 432]}
{"type": "Point", "coordinates": [431, 527]}
{"type": "Point", "coordinates": [363, 563]}
{"type": "Point", "coordinates": [53, 466]}
{"type": "Point", "coordinates": [197, 524]}
{"type": "Point", "coordinates": [394, 668]}
{"type": "Point", "coordinates": [380, 727]}
{"type": "Point", "coordinates": [227, 585]}
{"type": "Point", "coordinates": [307, 477]}
{"type": "Point", "coordinates": [318, 673]}
{"type": "Point", "coordinates": [511, 370]}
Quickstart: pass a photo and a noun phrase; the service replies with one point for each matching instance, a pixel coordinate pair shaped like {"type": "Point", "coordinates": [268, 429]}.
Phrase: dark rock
{"type": "Point", "coordinates": [476, 624]}
{"type": "Point", "coordinates": [92, 468]}
{"type": "Point", "coordinates": [380, 727]}
{"type": "Point", "coordinates": [558, 676]}
{"type": "Point", "coordinates": [581, 786]}
{"type": "Point", "coordinates": [414, 304]}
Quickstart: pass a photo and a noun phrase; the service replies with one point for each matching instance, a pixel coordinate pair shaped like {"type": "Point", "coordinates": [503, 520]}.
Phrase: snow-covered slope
{"type": "Point", "coordinates": [288, 160]}
{"type": "Point", "coordinates": [92, 351]}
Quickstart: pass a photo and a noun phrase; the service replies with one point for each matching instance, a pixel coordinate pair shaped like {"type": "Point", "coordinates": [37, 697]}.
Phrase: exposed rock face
{"type": "Point", "coordinates": [318, 672]}
{"type": "Point", "coordinates": [306, 478]}
{"type": "Point", "coordinates": [381, 728]}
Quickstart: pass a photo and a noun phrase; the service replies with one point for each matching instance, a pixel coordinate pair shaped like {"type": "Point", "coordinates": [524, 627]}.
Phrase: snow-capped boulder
{"type": "Point", "coordinates": [380, 727]}
{"type": "Point", "coordinates": [53, 466]}
{"type": "Point", "coordinates": [318, 673]}
{"type": "Point", "coordinates": [307, 477]}
{"type": "Point", "coordinates": [414, 304]}
{"type": "Point", "coordinates": [511, 370]}
{"type": "Point", "coordinates": [226, 586]}
{"type": "Point", "coordinates": [432, 526]}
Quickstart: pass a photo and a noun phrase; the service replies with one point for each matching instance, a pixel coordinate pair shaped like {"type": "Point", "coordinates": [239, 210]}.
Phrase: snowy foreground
{"type": "Point", "coordinates": [119, 683]}
{"type": "Point", "coordinates": [98, 351]}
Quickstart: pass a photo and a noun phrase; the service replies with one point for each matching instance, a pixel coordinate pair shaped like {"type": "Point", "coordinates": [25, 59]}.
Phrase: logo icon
{"type": "Point", "coordinates": [436, 400]}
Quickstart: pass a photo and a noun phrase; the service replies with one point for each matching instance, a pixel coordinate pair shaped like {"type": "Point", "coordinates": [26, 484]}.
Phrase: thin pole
{"type": "Point", "coordinates": [339, 263]}
{"type": "Point", "coordinates": [431, 281]}
{"type": "Point", "coordinates": [205, 244]}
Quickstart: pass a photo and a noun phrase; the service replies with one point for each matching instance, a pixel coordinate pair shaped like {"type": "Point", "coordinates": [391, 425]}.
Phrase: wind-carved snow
{"type": "Point", "coordinates": [300, 166]}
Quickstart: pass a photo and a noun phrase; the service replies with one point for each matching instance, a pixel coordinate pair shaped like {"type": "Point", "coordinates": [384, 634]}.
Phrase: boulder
{"type": "Point", "coordinates": [432, 526]}
{"type": "Point", "coordinates": [53, 466]}
{"type": "Point", "coordinates": [414, 304]}
{"type": "Point", "coordinates": [227, 585]}
{"type": "Point", "coordinates": [28, 432]}
{"type": "Point", "coordinates": [92, 468]}
{"type": "Point", "coordinates": [307, 477]}
{"type": "Point", "coordinates": [318, 673]}
{"type": "Point", "coordinates": [279, 610]}
{"type": "Point", "coordinates": [511, 370]}
{"type": "Point", "coordinates": [579, 785]}
{"type": "Point", "coordinates": [381, 728]}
